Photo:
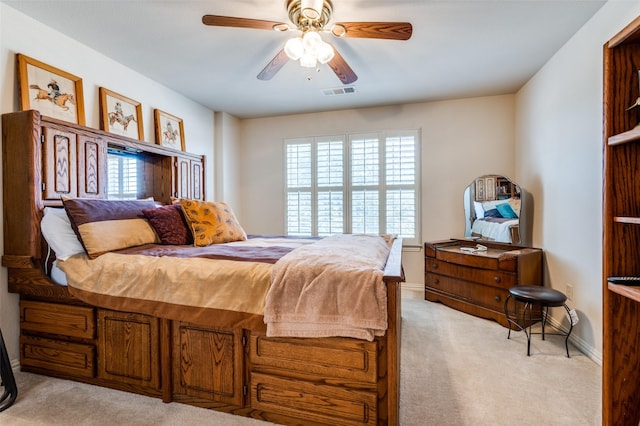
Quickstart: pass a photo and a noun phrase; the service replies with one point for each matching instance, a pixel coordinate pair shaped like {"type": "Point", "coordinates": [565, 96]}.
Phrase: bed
{"type": "Point", "coordinates": [243, 355]}
{"type": "Point", "coordinates": [497, 220]}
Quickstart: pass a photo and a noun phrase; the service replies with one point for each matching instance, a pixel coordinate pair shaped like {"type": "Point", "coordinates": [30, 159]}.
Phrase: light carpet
{"type": "Point", "coordinates": [455, 370]}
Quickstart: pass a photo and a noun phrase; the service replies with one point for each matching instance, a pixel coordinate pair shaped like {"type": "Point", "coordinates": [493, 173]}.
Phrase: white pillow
{"type": "Point", "coordinates": [490, 205]}
{"type": "Point", "coordinates": [479, 210]}
{"type": "Point", "coordinates": [56, 230]}
{"type": "Point", "coordinates": [57, 275]}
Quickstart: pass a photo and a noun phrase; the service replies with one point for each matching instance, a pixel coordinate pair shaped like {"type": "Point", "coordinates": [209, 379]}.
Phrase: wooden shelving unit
{"type": "Point", "coordinates": [621, 228]}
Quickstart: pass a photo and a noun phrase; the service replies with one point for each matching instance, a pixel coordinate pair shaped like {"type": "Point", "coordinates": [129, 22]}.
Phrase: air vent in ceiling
{"type": "Point", "coordinates": [344, 90]}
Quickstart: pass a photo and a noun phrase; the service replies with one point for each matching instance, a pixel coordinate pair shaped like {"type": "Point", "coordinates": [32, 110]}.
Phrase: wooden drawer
{"type": "Point", "coordinates": [491, 259]}
{"type": "Point", "coordinates": [335, 358]}
{"type": "Point", "coordinates": [313, 401]}
{"type": "Point", "coordinates": [52, 355]}
{"type": "Point", "coordinates": [55, 318]}
{"type": "Point", "coordinates": [489, 277]}
{"type": "Point", "coordinates": [481, 295]}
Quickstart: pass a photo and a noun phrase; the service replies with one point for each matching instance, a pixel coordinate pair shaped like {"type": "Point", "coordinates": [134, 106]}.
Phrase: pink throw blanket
{"type": "Point", "coordinates": [333, 287]}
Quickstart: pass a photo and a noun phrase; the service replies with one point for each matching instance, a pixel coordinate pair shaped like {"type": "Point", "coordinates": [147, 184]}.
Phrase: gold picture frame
{"type": "Point", "coordinates": [169, 130]}
{"type": "Point", "coordinates": [118, 113]}
{"type": "Point", "coordinates": [53, 92]}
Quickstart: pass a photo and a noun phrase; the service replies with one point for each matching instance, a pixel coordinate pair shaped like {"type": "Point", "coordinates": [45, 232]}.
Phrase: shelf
{"type": "Point", "coordinates": [623, 219]}
{"type": "Point", "coordinates": [626, 291]}
{"type": "Point", "coordinates": [629, 136]}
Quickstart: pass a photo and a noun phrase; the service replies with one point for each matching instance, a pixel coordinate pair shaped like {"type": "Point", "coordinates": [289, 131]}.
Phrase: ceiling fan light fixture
{"type": "Point", "coordinates": [311, 41]}
{"type": "Point", "coordinates": [325, 53]}
{"type": "Point", "coordinates": [294, 48]}
{"type": "Point", "coordinates": [309, 49]}
{"type": "Point", "coordinates": [308, 60]}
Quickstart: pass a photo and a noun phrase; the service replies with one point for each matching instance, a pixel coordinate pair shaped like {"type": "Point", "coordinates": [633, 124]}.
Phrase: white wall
{"type": "Point", "coordinates": [227, 160]}
{"type": "Point", "coordinates": [21, 34]}
{"type": "Point", "coordinates": [461, 139]}
{"type": "Point", "coordinates": [559, 160]}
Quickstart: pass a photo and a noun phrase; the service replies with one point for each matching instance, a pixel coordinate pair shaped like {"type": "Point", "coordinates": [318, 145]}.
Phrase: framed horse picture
{"type": "Point", "coordinates": [169, 130]}
{"type": "Point", "coordinates": [120, 115]}
{"type": "Point", "coordinates": [53, 92]}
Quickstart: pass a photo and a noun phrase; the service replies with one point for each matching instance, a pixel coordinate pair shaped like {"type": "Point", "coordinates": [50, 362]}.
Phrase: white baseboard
{"type": "Point", "coordinates": [411, 286]}
{"type": "Point", "coordinates": [579, 343]}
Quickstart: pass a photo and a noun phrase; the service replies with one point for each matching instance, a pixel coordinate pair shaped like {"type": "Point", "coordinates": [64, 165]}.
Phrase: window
{"type": "Point", "coordinates": [123, 176]}
{"type": "Point", "coordinates": [360, 183]}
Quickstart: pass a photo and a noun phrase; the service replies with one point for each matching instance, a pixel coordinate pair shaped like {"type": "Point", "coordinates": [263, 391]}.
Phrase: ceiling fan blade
{"type": "Point", "coordinates": [229, 21]}
{"type": "Point", "coordinates": [274, 66]}
{"type": "Point", "coordinates": [341, 68]}
{"type": "Point", "coordinates": [384, 30]}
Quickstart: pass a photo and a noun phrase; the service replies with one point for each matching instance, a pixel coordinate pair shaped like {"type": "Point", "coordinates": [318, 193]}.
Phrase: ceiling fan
{"type": "Point", "coordinates": [311, 17]}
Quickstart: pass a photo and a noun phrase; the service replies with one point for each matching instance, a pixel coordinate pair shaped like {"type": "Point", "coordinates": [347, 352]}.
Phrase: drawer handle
{"type": "Point", "coordinates": [496, 298]}
{"type": "Point", "coordinates": [434, 265]}
{"type": "Point", "coordinates": [496, 279]}
{"type": "Point", "coordinates": [436, 281]}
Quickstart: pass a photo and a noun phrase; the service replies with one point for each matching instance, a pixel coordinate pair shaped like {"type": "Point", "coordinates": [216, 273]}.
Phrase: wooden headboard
{"type": "Point", "coordinates": [45, 159]}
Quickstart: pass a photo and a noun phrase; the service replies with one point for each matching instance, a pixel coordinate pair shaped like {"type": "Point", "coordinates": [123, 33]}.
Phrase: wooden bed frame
{"type": "Point", "coordinates": [236, 370]}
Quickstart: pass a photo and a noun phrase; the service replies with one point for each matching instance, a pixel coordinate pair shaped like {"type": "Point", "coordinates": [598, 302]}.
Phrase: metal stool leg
{"type": "Point", "coordinates": [8, 381]}
{"type": "Point", "coordinates": [506, 314]}
{"type": "Point", "coordinates": [566, 339]}
{"type": "Point", "coordinates": [528, 307]}
{"type": "Point", "coordinates": [544, 317]}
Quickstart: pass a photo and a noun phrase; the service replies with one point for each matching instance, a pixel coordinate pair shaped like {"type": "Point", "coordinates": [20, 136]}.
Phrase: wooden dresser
{"type": "Point", "coordinates": [478, 283]}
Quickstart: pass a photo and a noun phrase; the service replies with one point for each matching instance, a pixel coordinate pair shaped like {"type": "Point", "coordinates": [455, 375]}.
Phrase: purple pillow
{"type": "Point", "coordinates": [169, 224]}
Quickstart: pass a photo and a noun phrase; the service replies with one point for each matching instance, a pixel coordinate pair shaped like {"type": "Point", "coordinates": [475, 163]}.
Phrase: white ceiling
{"type": "Point", "coordinates": [458, 48]}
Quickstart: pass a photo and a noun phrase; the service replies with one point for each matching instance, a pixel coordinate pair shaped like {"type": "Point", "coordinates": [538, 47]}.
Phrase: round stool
{"type": "Point", "coordinates": [532, 296]}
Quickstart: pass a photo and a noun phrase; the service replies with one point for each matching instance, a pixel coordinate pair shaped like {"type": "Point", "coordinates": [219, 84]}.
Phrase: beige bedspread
{"type": "Point", "coordinates": [331, 288]}
{"type": "Point", "coordinates": [204, 291]}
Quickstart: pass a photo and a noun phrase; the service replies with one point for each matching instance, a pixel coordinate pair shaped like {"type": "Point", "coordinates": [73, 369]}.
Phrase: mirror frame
{"type": "Point", "coordinates": [491, 190]}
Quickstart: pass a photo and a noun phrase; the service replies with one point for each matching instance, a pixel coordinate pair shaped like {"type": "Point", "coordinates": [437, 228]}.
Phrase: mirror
{"type": "Point", "coordinates": [493, 210]}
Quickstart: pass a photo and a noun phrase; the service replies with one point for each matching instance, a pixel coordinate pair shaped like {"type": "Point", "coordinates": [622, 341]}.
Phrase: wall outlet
{"type": "Point", "coordinates": [569, 291]}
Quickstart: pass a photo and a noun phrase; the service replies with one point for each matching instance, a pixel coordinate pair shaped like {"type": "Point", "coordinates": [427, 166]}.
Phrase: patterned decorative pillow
{"type": "Point", "coordinates": [106, 225]}
{"type": "Point", "coordinates": [170, 224]}
{"type": "Point", "coordinates": [211, 223]}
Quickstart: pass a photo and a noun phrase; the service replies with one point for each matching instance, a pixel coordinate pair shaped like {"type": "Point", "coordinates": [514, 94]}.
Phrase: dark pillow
{"type": "Point", "coordinates": [107, 225]}
{"type": "Point", "coordinates": [170, 224]}
{"type": "Point", "coordinates": [493, 213]}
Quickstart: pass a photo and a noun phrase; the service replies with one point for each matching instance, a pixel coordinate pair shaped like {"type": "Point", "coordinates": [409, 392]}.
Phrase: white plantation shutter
{"type": "Point", "coordinates": [330, 184]}
{"type": "Point", "coordinates": [122, 181]}
{"type": "Point", "coordinates": [365, 183]}
{"type": "Point", "coordinates": [365, 191]}
{"type": "Point", "coordinates": [401, 177]}
{"type": "Point", "coordinates": [299, 185]}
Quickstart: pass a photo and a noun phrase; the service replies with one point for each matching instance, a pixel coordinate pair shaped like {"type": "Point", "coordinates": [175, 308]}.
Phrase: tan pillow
{"type": "Point", "coordinates": [108, 225]}
{"type": "Point", "coordinates": [211, 222]}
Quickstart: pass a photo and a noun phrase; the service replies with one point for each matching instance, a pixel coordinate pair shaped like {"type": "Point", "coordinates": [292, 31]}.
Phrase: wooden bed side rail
{"type": "Point", "coordinates": [393, 268]}
{"type": "Point", "coordinates": [389, 410]}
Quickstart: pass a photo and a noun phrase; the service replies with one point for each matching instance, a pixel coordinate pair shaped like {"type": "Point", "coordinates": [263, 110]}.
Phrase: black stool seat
{"type": "Point", "coordinates": [538, 294]}
{"type": "Point", "coordinates": [530, 296]}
